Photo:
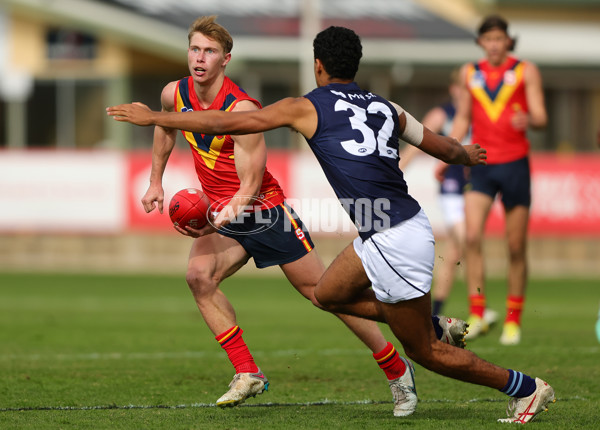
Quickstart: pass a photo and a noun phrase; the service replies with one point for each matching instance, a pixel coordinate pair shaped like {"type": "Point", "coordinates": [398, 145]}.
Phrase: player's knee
{"type": "Point", "coordinates": [316, 303]}
{"type": "Point", "coordinates": [199, 281]}
{"type": "Point", "coordinates": [516, 251]}
{"type": "Point", "coordinates": [473, 241]}
{"type": "Point", "coordinates": [313, 299]}
{"type": "Point", "coordinates": [324, 300]}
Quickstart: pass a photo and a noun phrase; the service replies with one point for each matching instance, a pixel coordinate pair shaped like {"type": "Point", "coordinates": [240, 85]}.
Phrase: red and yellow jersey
{"type": "Point", "coordinates": [213, 155]}
{"type": "Point", "coordinates": [496, 94]}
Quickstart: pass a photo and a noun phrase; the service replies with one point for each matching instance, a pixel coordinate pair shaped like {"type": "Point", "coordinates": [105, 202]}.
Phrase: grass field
{"type": "Point", "coordinates": [132, 352]}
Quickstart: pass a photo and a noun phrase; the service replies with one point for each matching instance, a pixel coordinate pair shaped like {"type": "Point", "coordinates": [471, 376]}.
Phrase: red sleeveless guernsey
{"type": "Point", "coordinates": [496, 94]}
{"type": "Point", "coordinates": [213, 155]}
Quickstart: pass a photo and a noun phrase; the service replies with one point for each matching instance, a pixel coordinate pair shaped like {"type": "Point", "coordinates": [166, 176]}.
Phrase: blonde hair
{"type": "Point", "coordinates": [207, 26]}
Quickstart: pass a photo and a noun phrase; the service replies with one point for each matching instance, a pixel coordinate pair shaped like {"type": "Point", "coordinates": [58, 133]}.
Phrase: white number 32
{"type": "Point", "coordinates": [370, 142]}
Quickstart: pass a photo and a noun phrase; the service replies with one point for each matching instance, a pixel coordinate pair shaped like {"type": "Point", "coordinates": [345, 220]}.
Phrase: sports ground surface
{"type": "Point", "coordinates": [132, 352]}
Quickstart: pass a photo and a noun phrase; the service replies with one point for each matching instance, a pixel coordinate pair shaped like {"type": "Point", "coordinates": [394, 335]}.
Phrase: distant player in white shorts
{"type": "Point", "coordinates": [452, 180]}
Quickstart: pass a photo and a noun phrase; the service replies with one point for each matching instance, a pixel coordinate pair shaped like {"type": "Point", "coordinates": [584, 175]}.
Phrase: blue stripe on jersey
{"type": "Point", "coordinates": [203, 141]}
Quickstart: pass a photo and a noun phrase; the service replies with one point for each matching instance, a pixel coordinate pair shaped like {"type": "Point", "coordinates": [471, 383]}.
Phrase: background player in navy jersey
{"type": "Point", "coordinates": [453, 179]}
{"type": "Point", "coordinates": [386, 272]}
{"type": "Point", "coordinates": [231, 169]}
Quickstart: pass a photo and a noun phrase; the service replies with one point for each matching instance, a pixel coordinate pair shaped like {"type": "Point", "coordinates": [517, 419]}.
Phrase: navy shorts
{"type": "Point", "coordinates": [272, 236]}
{"type": "Point", "coordinates": [511, 180]}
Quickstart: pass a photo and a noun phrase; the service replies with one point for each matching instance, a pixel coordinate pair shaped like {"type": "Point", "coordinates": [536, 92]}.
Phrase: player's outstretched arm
{"type": "Point", "coordinates": [289, 112]}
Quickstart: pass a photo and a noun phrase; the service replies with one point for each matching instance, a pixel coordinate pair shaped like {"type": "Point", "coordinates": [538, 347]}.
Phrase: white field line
{"type": "Point", "coordinates": [324, 402]}
{"type": "Point", "coordinates": [217, 353]}
{"type": "Point", "coordinates": [175, 355]}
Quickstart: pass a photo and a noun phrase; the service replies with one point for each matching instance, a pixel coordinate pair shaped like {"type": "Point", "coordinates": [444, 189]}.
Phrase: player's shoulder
{"type": "Point", "coordinates": [530, 70]}
{"type": "Point", "coordinates": [293, 104]}
{"type": "Point", "coordinates": [167, 96]}
{"type": "Point", "coordinates": [464, 70]}
{"type": "Point", "coordinates": [245, 105]}
{"type": "Point", "coordinates": [528, 63]}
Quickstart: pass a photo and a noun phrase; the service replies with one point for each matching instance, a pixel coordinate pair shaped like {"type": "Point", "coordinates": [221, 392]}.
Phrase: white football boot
{"type": "Point", "coordinates": [454, 331]}
{"type": "Point", "coordinates": [524, 409]}
{"type": "Point", "coordinates": [404, 391]}
{"type": "Point", "coordinates": [242, 386]}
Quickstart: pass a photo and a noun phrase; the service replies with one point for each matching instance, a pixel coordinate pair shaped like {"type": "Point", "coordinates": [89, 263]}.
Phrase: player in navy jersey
{"type": "Point", "coordinates": [385, 274]}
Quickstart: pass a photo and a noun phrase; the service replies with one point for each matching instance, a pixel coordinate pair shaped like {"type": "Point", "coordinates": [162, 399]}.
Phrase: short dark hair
{"type": "Point", "coordinates": [340, 51]}
{"type": "Point", "coordinates": [493, 22]}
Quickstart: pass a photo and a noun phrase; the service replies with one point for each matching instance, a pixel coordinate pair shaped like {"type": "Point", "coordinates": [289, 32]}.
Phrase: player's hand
{"type": "Point", "coordinates": [440, 171]}
{"type": "Point", "coordinates": [520, 120]}
{"type": "Point", "coordinates": [477, 155]}
{"type": "Point", "coordinates": [153, 197]}
{"type": "Point", "coordinates": [209, 228]}
{"type": "Point", "coordinates": [134, 113]}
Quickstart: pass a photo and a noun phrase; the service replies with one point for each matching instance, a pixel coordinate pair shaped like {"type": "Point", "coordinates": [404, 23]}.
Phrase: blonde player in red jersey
{"type": "Point", "coordinates": [232, 172]}
{"type": "Point", "coordinates": [501, 97]}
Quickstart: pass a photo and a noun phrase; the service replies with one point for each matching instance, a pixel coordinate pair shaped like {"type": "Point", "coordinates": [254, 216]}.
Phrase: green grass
{"type": "Point", "coordinates": [132, 352]}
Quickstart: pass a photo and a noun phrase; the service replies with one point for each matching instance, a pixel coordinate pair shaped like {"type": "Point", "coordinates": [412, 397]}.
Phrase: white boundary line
{"type": "Point", "coordinates": [214, 354]}
{"type": "Point", "coordinates": [325, 402]}
{"type": "Point", "coordinates": [175, 355]}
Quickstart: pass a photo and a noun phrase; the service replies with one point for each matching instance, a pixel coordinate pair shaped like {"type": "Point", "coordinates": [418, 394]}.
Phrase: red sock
{"type": "Point", "coordinates": [514, 307]}
{"type": "Point", "coordinates": [232, 342]}
{"type": "Point", "coordinates": [477, 304]}
{"type": "Point", "coordinates": [389, 361]}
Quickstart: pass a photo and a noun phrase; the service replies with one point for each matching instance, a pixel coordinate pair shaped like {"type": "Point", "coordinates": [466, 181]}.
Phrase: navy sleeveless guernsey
{"type": "Point", "coordinates": [356, 143]}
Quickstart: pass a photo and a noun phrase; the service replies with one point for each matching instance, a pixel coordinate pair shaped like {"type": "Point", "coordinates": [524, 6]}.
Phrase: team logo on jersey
{"type": "Point", "coordinates": [186, 109]}
{"type": "Point", "coordinates": [510, 77]}
{"type": "Point", "coordinates": [477, 79]}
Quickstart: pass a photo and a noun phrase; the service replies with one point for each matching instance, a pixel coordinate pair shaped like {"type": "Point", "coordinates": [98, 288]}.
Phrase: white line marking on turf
{"type": "Point", "coordinates": [324, 402]}
{"type": "Point", "coordinates": [213, 354]}
{"type": "Point", "coordinates": [174, 355]}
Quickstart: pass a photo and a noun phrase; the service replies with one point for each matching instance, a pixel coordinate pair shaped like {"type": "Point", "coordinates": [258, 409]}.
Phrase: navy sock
{"type": "Point", "coordinates": [518, 385]}
{"type": "Point", "coordinates": [436, 308]}
{"type": "Point", "coordinates": [436, 325]}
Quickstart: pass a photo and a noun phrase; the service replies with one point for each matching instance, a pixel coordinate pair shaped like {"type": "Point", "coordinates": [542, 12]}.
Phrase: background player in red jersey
{"type": "Point", "coordinates": [501, 96]}
{"type": "Point", "coordinates": [232, 170]}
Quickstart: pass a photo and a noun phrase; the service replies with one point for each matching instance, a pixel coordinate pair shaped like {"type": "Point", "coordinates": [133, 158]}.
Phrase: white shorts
{"type": "Point", "coordinates": [453, 209]}
{"type": "Point", "coordinates": [399, 260]}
